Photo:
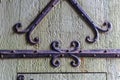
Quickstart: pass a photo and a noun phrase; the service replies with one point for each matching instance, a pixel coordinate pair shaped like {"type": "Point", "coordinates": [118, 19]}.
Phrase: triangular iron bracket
{"type": "Point", "coordinates": [47, 9]}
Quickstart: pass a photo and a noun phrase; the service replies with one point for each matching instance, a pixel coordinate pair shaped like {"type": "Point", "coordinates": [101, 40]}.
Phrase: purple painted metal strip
{"type": "Point", "coordinates": [38, 54]}
{"type": "Point", "coordinates": [25, 54]}
{"type": "Point", "coordinates": [56, 52]}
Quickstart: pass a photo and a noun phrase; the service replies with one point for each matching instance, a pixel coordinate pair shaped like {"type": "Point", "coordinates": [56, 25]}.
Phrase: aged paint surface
{"type": "Point", "coordinates": [63, 24]}
{"type": "Point", "coordinates": [65, 76]}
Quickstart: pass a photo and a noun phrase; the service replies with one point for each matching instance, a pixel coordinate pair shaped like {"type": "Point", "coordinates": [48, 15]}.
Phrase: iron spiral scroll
{"type": "Point", "coordinates": [74, 47]}
{"type": "Point", "coordinates": [75, 4]}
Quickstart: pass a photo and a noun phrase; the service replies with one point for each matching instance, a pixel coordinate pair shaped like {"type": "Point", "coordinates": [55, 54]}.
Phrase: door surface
{"type": "Point", "coordinates": [65, 25]}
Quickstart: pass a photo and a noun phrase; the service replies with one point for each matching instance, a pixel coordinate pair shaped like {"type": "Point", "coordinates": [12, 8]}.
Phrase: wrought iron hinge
{"type": "Point", "coordinates": [56, 52]}
{"type": "Point", "coordinates": [74, 3]}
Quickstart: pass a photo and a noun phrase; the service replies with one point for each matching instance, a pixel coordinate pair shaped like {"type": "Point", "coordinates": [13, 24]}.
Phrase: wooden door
{"type": "Point", "coordinates": [64, 24]}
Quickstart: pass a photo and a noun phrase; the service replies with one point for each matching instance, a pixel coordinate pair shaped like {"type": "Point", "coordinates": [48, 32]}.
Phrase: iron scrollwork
{"type": "Point", "coordinates": [56, 52]}
{"type": "Point", "coordinates": [47, 9]}
{"type": "Point", "coordinates": [35, 22]}
{"type": "Point", "coordinates": [55, 46]}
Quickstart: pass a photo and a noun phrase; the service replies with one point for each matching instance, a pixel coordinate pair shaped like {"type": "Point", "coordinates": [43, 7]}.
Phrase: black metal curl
{"type": "Point", "coordinates": [28, 32]}
{"type": "Point", "coordinates": [55, 61]}
{"type": "Point", "coordinates": [30, 40]}
{"type": "Point", "coordinates": [96, 35]}
{"type": "Point", "coordinates": [107, 24]}
{"type": "Point", "coordinates": [45, 11]}
{"type": "Point", "coordinates": [16, 28]}
{"type": "Point", "coordinates": [34, 23]}
{"type": "Point", "coordinates": [55, 46]}
{"type": "Point", "coordinates": [20, 77]}
{"type": "Point", "coordinates": [89, 21]}
{"type": "Point", "coordinates": [76, 61]}
{"type": "Point", "coordinates": [75, 45]}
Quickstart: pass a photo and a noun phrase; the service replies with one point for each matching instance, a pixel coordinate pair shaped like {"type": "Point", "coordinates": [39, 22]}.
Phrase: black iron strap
{"type": "Point", "coordinates": [56, 52]}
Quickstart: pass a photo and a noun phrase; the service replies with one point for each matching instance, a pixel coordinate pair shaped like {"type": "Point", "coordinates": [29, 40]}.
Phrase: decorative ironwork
{"type": "Point", "coordinates": [56, 53]}
{"type": "Point", "coordinates": [35, 22]}
{"type": "Point", "coordinates": [89, 21]}
{"type": "Point", "coordinates": [55, 46]}
{"type": "Point", "coordinates": [47, 9]}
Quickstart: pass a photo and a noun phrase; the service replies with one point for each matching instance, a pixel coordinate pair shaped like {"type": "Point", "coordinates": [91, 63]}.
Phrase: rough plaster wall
{"type": "Point", "coordinates": [63, 24]}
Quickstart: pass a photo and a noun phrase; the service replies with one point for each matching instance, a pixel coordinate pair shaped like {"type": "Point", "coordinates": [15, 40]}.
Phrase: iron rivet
{"type": "Point", "coordinates": [24, 55]}
{"type": "Point", "coordinates": [80, 51]}
{"type": "Point", "coordinates": [76, 3]}
{"type": "Point", "coordinates": [35, 51]}
{"type": "Point", "coordinates": [105, 51]}
{"type": "Point", "coordinates": [12, 51]}
{"type": "Point", "coordinates": [2, 56]}
{"type": "Point", "coordinates": [50, 55]}
{"type": "Point", "coordinates": [42, 12]}
{"type": "Point", "coordinates": [82, 15]}
{"type": "Point", "coordinates": [118, 55]}
{"type": "Point", "coordinates": [52, 5]}
{"type": "Point", "coordinates": [67, 50]}
{"type": "Point", "coordinates": [94, 55]}
{"type": "Point", "coordinates": [62, 55]}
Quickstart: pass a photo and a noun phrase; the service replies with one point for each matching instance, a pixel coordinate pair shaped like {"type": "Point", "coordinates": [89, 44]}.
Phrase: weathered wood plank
{"type": "Point", "coordinates": [9, 14]}
{"type": "Point", "coordinates": [113, 65]}
{"type": "Point", "coordinates": [66, 76]}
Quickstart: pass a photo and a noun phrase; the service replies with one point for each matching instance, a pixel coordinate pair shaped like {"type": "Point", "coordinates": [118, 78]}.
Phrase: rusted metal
{"type": "Point", "coordinates": [48, 8]}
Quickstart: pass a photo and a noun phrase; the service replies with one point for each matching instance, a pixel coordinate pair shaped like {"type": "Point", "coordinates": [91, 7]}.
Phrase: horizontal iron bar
{"type": "Point", "coordinates": [112, 53]}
